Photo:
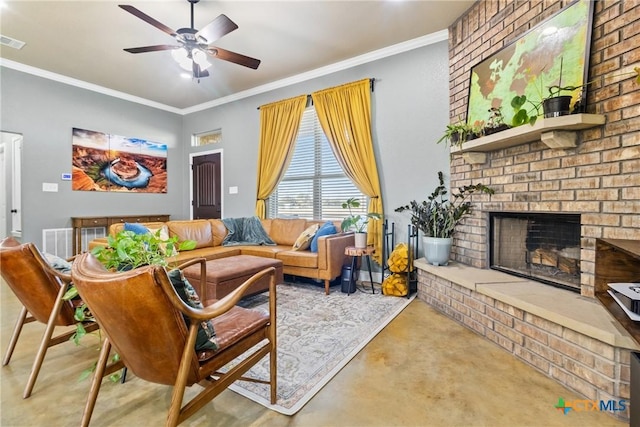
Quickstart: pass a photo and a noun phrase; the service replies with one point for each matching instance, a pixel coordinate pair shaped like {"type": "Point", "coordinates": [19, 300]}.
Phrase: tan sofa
{"type": "Point", "coordinates": [208, 234]}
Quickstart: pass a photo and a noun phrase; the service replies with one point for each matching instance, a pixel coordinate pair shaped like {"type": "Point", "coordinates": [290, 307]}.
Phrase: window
{"type": "Point", "coordinates": [206, 138]}
{"type": "Point", "coordinates": [314, 186]}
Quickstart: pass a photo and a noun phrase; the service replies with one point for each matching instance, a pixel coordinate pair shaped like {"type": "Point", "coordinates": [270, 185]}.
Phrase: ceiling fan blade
{"type": "Point", "coordinates": [155, 48]}
{"type": "Point", "coordinates": [132, 10]}
{"type": "Point", "coordinates": [217, 28]}
{"type": "Point", "coordinates": [236, 58]}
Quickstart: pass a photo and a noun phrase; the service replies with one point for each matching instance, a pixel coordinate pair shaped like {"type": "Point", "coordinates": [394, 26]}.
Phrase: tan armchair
{"type": "Point", "coordinates": [142, 317]}
{"type": "Point", "coordinates": [40, 289]}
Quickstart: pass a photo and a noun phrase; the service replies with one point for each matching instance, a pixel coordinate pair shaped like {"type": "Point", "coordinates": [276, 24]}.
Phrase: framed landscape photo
{"type": "Point", "coordinates": [532, 63]}
{"type": "Point", "coordinates": [106, 162]}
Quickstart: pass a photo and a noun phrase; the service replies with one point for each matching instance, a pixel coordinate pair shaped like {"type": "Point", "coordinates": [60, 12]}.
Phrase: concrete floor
{"type": "Point", "coordinates": [422, 370]}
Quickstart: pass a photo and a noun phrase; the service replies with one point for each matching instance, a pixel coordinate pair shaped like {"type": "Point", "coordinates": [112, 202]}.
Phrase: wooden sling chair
{"type": "Point", "coordinates": [40, 289]}
{"type": "Point", "coordinates": [144, 319]}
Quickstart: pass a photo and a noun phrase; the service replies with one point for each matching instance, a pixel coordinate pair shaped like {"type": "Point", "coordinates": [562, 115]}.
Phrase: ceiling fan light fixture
{"type": "Point", "coordinates": [181, 56]}
{"type": "Point", "coordinates": [200, 58]}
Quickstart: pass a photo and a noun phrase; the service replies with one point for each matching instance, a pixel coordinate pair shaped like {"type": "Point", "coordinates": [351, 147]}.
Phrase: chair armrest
{"type": "Point", "coordinates": [221, 306]}
{"type": "Point", "coordinates": [202, 288]}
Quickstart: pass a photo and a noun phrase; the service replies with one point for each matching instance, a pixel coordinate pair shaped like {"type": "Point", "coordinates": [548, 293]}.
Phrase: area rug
{"type": "Point", "coordinates": [317, 335]}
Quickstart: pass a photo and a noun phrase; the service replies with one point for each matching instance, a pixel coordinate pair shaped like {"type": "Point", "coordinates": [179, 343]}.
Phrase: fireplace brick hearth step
{"type": "Point", "coordinates": [566, 336]}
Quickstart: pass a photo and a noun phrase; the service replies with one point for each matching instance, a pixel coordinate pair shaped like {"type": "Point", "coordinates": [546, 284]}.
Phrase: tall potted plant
{"type": "Point", "coordinates": [438, 216]}
{"type": "Point", "coordinates": [357, 223]}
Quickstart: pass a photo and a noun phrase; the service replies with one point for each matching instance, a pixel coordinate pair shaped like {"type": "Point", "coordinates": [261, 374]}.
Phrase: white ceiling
{"type": "Point", "coordinates": [84, 40]}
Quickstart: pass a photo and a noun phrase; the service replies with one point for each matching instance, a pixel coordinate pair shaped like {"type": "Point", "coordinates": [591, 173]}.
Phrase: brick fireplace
{"type": "Point", "coordinates": [598, 181]}
{"type": "Point", "coordinates": [600, 178]}
{"type": "Point", "coordinates": [541, 246]}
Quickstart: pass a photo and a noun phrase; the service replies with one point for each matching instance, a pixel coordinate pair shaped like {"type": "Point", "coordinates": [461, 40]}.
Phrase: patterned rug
{"type": "Point", "coordinates": [317, 336]}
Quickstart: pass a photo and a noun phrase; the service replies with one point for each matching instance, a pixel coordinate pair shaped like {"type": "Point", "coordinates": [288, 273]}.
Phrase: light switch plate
{"type": "Point", "coordinates": [50, 187]}
{"type": "Point", "coordinates": [233, 190]}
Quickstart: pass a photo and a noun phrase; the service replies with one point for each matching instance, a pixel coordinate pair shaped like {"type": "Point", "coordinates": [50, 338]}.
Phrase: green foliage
{"type": "Point", "coordinates": [457, 133]}
{"type": "Point", "coordinates": [128, 250]}
{"type": "Point", "coordinates": [356, 222]}
{"type": "Point", "coordinates": [439, 215]}
{"type": "Point", "coordinates": [521, 114]}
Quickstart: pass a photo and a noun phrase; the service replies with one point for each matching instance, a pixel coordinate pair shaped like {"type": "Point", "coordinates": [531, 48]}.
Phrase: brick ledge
{"type": "Point", "coordinates": [565, 308]}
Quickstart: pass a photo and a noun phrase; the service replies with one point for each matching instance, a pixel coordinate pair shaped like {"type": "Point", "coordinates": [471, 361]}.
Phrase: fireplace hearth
{"type": "Point", "coordinates": [540, 246]}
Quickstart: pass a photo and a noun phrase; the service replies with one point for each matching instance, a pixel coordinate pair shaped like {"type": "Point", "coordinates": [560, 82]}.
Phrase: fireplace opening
{"type": "Point", "coordinates": [540, 246]}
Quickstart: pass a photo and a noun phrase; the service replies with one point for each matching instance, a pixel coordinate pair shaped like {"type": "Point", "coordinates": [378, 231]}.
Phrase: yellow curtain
{"type": "Point", "coordinates": [344, 113]}
{"type": "Point", "coordinates": [279, 123]}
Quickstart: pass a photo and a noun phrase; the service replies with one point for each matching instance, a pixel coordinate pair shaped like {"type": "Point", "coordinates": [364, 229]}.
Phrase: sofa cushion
{"type": "Point", "coordinates": [304, 239]}
{"type": "Point", "coordinates": [218, 230]}
{"type": "Point", "coordinates": [286, 231]}
{"type": "Point", "coordinates": [304, 259]}
{"type": "Point", "coordinates": [326, 229]}
{"type": "Point", "coordinates": [198, 230]}
{"type": "Point", "coordinates": [264, 251]}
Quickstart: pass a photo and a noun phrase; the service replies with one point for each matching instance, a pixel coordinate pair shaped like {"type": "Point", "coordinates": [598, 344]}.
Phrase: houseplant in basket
{"type": "Point", "coordinates": [438, 216]}
{"type": "Point", "coordinates": [357, 223]}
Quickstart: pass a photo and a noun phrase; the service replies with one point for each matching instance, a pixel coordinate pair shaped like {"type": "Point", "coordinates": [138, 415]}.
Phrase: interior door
{"type": "Point", "coordinates": [207, 186]}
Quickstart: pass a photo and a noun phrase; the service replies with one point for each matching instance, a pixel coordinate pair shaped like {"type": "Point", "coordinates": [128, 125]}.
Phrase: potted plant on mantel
{"type": "Point", "coordinates": [556, 104]}
{"type": "Point", "coordinates": [357, 223]}
{"type": "Point", "coordinates": [438, 216]}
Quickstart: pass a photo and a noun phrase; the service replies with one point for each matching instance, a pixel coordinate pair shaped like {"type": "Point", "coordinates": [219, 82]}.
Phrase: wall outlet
{"type": "Point", "coordinates": [233, 190]}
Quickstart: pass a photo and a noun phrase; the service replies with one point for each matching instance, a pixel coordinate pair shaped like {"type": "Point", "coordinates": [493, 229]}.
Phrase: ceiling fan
{"type": "Point", "coordinates": [194, 47]}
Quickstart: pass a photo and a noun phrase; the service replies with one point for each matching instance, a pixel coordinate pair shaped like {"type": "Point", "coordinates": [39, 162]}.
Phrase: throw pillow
{"type": "Point", "coordinates": [57, 263]}
{"type": "Point", "coordinates": [326, 229]}
{"type": "Point", "coordinates": [304, 240]}
{"type": "Point", "coordinates": [135, 227]}
{"type": "Point", "coordinates": [206, 338]}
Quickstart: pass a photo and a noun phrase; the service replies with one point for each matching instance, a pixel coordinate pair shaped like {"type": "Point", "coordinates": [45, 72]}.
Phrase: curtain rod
{"type": "Point", "coordinates": [310, 101]}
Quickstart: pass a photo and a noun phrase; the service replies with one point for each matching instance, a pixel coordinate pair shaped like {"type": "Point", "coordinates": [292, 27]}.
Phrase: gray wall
{"type": "Point", "coordinates": [410, 111]}
{"type": "Point", "coordinates": [44, 112]}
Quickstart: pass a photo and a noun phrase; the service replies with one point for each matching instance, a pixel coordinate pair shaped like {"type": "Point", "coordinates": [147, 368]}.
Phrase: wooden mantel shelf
{"type": "Point", "coordinates": [555, 132]}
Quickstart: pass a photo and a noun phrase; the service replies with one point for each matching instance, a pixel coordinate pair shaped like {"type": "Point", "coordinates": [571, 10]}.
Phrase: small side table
{"type": "Point", "coordinates": [354, 252]}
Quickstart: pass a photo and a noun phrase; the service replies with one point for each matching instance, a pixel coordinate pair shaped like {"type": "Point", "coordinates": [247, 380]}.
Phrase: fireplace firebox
{"type": "Point", "coordinates": [540, 246]}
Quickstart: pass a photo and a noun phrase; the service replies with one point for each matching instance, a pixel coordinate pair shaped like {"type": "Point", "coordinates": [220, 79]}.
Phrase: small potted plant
{"type": "Point", "coordinates": [438, 216]}
{"type": "Point", "coordinates": [496, 121]}
{"type": "Point", "coordinates": [357, 223]}
{"type": "Point", "coordinates": [457, 133]}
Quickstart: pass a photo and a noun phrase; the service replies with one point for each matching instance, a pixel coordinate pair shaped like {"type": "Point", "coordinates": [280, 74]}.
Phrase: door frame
{"type": "Point", "coordinates": [205, 153]}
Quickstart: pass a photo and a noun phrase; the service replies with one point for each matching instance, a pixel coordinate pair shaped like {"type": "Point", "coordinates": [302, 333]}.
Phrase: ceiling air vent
{"type": "Point", "coordinates": [8, 41]}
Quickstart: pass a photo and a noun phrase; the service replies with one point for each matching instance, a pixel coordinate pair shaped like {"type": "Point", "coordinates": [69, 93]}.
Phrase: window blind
{"type": "Point", "coordinates": [314, 186]}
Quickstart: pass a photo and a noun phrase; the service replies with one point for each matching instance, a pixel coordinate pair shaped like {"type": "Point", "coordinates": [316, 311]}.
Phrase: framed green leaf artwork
{"type": "Point", "coordinates": [553, 53]}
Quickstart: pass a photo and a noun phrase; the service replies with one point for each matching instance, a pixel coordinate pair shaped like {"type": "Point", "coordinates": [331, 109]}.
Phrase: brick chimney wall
{"type": "Point", "coordinates": [600, 178]}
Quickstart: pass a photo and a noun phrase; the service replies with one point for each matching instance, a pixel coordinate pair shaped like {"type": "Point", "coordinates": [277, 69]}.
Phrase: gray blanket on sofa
{"type": "Point", "coordinates": [245, 231]}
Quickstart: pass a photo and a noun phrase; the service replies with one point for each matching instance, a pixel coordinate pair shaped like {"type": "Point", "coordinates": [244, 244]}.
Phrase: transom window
{"type": "Point", "coordinates": [314, 186]}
